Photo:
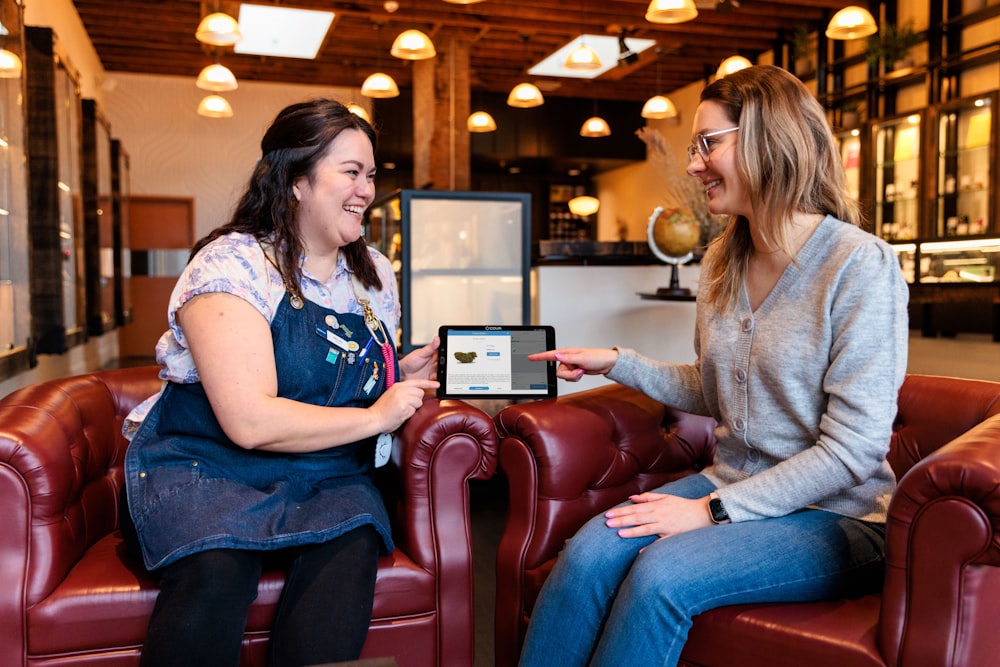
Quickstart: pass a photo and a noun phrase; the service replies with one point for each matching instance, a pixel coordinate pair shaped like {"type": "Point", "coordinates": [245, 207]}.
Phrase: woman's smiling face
{"type": "Point", "coordinates": [332, 202]}
{"type": "Point", "coordinates": [719, 175]}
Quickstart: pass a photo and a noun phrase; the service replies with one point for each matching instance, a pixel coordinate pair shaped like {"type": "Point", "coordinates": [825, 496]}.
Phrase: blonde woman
{"type": "Point", "coordinates": [801, 335]}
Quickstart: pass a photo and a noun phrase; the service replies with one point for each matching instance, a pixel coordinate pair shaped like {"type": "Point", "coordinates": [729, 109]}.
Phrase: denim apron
{"type": "Point", "coordinates": [190, 488]}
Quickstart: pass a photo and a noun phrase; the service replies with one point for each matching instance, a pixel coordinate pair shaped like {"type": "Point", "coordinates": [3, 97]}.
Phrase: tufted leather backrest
{"type": "Point", "coordinates": [73, 482]}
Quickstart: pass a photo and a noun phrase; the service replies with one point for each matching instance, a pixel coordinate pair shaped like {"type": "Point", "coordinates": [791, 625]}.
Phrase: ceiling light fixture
{"type": "Point", "coordinates": [595, 126]}
{"type": "Point", "coordinates": [658, 106]}
{"type": "Point", "coordinates": [583, 57]}
{"type": "Point", "coordinates": [732, 64]}
{"type": "Point", "coordinates": [217, 78]}
{"type": "Point", "coordinates": [10, 65]}
{"type": "Point", "coordinates": [463, 2]}
{"type": "Point", "coordinates": [525, 95]}
{"type": "Point", "coordinates": [584, 205]}
{"type": "Point", "coordinates": [359, 111]}
{"type": "Point", "coordinates": [481, 121]}
{"type": "Point", "coordinates": [851, 23]}
{"type": "Point", "coordinates": [379, 85]}
{"type": "Point", "coordinates": [218, 29]}
{"type": "Point", "coordinates": [215, 106]}
{"type": "Point", "coordinates": [413, 45]}
{"type": "Point", "coordinates": [10, 62]}
{"type": "Point", "coordinates": [671, 11]}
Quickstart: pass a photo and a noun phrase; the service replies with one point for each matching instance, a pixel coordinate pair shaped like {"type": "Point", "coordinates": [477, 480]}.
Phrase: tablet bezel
{"type": "Point", "coordinates": [442, 369]}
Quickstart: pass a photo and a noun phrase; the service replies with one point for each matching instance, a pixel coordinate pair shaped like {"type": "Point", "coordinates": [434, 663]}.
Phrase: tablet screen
{"type": "Point", "coordinates": [492, 362]}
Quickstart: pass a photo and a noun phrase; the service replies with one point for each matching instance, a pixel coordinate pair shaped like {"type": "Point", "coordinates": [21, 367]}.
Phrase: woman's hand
{"type": "Point", "coordinates": [575, 362]}
{"type": "Point", "coordinates": [421, 363]}
{"type": "Point", "coordinates": [399, 402]}
{"type": "Point", "coordinates": [659, 514]}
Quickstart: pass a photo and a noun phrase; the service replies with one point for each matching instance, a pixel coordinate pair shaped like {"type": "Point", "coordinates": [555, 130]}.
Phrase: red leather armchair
{"type": "Point", "coordinates": [573, 457]}
{"type": "Point", "coordinates": [71, 594]}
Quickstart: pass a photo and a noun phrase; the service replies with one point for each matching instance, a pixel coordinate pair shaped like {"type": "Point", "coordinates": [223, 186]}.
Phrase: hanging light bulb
{"type": "Point", "coordinates": [851, 23]}
{"type": "Point", "coordinates": [582, 58]}
{"type": "Point", "coordinates": [658, 107]}
{"type": "Point", "coordinates": [10, 65]}
{"type": "Point", "coordinates": [525, 95]}
{"type": "Point", "coordinates": [480, 121]}
{"type": "Point", "coordinates": [732, 64]}
{"type": "Point", "coordinates": [379, 85]}
{"type": "Point", "coordinates": [595, 126]}
{"type": "Point", "coordinates": [671, 11]}
{"type": "Point", "coordinates": [413, 45]}
{"type": "Point", "coordinates": [359, 111]}
{"type": "Point", "coordinates": [217, 78]}
{"type": "Point", "coordinates": [215, 106]}
{"type": "Point", "coordinates": [218, 29]}
{"type": "Point", "coordinates": [584, 205]}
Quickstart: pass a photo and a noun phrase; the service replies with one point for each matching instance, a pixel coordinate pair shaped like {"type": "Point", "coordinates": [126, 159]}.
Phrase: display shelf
{"type": "Point", "coordinates": [897, 202]}
{"type": "Point", "coordinates": [964, 167]}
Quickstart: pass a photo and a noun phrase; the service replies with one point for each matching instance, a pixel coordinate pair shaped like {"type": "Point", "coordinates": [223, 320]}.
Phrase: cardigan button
{"type": "Point", "coordinates": [747, 325]}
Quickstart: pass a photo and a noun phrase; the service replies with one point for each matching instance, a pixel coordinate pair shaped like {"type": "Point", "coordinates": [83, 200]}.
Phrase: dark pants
{"type": "Point", "coordinates": [323, 614]}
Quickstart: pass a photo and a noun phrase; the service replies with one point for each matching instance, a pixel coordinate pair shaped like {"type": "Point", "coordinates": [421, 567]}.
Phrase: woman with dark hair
{"type": "Point", "coordinates": [800, 335]}
{"type": "Point", "coordinates": [281, 387]}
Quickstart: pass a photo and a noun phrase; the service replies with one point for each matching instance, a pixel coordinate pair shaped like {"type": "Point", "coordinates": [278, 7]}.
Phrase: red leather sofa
{"type": "Point", "coordinates": [570, 458]}
{"type": "Point", "coordinates": [71, 595]}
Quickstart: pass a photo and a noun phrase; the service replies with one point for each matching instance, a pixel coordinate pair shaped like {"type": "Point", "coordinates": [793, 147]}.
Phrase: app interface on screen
{"type": "Point", "coordinates": [488, 361]}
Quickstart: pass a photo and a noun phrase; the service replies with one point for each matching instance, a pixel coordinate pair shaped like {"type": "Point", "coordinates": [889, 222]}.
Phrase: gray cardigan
{"type": "Point", "coordinates": [804, 388]}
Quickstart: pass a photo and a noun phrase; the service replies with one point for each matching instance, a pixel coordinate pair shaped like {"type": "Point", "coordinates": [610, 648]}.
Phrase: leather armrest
{"type": "Point", "coordinates": [444, 445]}
{"type": "Point", "coordinates": [942, 590]}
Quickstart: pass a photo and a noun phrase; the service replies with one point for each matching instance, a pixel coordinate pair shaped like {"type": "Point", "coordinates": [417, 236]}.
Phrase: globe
{"type": "Point", "coordinates": [673, 234]}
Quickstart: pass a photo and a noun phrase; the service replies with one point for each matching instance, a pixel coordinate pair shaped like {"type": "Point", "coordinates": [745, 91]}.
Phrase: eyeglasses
{"type": "Point", "coordinates": [702, 146]}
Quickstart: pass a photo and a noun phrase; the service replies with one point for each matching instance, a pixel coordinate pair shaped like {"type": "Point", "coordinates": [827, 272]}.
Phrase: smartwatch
{"type": "Point", "coordinates": [718, 511]}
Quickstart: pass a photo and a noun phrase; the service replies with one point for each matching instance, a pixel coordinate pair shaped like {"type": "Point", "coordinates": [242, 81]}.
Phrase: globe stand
{"type": "Point", "coordinates": [674, 292]}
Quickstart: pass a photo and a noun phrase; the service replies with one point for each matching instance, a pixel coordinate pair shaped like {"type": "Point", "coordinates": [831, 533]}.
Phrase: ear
{"type": "Point", "coordinates": [296, 191]}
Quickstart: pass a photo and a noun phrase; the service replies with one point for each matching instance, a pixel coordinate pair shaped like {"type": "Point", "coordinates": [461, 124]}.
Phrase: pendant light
{"type": "Point", "coordinates": [215, 106]}
{"type": "Point", "coordinates": [481, 121]}
{"type": "Point", "coordinates": [732, 64]}
{"type": "Point", "coordinates": [658, 106]}
{"type": "Point", "coordinates": [413, 45]}
{"type": "Point", "coordinates": [10, 65]}
{"type": "Point", "coordinates": [851, 22]}
{"type": "Point", "coordinates": [359, 111]}
{"type": "Point", "coordinates": [217, 78]}
{"type": "Point", "coordinates": [595, 126]}
{"type": "Point", "coordinates": [10, 62]}
{"type": "Point", "coordinates": [525, 95]}
{"type": "Point", "coordinates": [584, 205]}
{"type": "Point", "coordinates": [582, 58]}
{"type": "Point", "coordinates": [671, 11]}
{"type": "Point", "coordinates": [218, 29]}
{"type": "Point", "coordinates": [379, 85]}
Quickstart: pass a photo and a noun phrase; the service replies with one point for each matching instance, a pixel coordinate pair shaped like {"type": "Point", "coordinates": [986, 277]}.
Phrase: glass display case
{"type": "Point", "coordinates": [906, 253]}
{"type": "Point", "coordinates": [896, 154]}
{"type": "Point", "coordinates": [966, 131]}
{"type": "Point", "coordinates": [15, 324]}
{"type": "Point", "coordinates": [98, 221]}
{"type": "Point", "coordinates": [465, 260]}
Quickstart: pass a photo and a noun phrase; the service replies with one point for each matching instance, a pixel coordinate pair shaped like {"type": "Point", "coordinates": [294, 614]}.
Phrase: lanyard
{"type": "Point", "coordinates": [374, 325]}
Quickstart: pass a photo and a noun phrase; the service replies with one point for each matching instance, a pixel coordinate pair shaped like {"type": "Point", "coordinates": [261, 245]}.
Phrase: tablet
{"type": "Point", "coordinates": [491, 361]}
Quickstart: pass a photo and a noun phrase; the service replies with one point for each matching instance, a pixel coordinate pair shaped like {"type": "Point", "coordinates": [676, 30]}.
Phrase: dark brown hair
{"type": "Point", "coordinates": [293, 144]}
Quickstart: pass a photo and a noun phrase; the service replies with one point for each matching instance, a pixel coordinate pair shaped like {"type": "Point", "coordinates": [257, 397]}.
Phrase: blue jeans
{"type": "Point", "coordinates": [605, 604]}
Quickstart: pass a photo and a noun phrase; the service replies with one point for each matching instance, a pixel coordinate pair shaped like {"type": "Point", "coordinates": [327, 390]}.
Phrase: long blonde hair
{"type": "Point", "coordinates": [789, 162]}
